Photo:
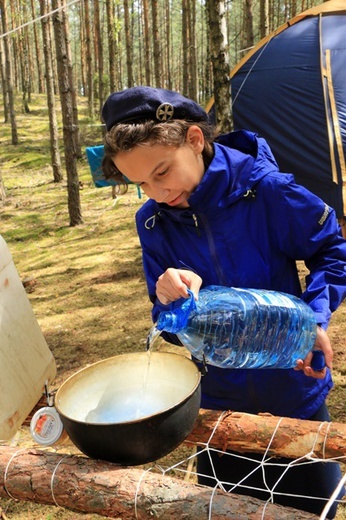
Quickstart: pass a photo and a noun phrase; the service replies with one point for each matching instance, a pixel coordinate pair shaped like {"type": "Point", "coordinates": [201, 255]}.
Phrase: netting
{"type": "Point", "coordinates": [187, 468]}
{"type": "Point", "coordinates": [182, 464]}
{"type": "Point", "coordinates": [57, 476]}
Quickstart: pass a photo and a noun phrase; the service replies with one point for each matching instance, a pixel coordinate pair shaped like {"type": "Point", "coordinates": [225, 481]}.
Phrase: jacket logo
{"type": "Point", "coordinates": [324, 215]}
{"type": "Point", "coordinates": [250, 194]}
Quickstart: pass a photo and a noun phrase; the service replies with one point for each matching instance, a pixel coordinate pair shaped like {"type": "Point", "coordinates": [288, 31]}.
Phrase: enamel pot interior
{"type": "Point", "coordinates": [133, 408]}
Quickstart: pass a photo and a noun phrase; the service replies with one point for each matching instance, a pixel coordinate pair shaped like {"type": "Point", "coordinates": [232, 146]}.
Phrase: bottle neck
{"type": "Point", "coordinates": [174, 321]}
{"type": "Point", "coordinates": [171, 321]}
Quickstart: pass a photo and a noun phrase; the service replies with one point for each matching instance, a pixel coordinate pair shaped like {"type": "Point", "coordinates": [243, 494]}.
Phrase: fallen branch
{"type": "Point", "coordinates": [285, 437]}
{"type": "Point", "coordinates": [91, 486]}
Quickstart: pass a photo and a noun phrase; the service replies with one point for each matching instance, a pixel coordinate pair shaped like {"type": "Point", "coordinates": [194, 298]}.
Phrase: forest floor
{"type": "Point", "coordinates": [88, 291]}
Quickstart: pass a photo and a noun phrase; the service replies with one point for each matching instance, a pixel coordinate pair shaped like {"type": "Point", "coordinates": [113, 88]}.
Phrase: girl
{"type": "Point", "coordinates": [220, 213]}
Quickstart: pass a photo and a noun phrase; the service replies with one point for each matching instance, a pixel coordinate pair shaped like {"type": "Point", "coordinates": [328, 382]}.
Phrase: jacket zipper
{"type": "Point", "coordinates": [211, 245]}
{"type": "Point", "coordinates": [195, 220]}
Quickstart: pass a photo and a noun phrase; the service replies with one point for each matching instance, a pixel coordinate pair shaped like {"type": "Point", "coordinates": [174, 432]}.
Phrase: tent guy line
{"type": "Point", "coordinates": [38, 19]}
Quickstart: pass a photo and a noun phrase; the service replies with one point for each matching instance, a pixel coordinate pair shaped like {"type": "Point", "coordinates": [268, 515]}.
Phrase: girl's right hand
{"type": "Point", "coordinates": [173, 284]}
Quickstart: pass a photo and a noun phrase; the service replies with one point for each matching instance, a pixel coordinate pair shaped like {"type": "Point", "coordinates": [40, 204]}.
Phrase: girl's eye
{"type": "Point", "coordinates": [161, 174]}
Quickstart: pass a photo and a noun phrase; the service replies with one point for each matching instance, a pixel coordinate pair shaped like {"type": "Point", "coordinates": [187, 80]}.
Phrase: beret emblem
{"type": "Point", "coordinates": [165, 112]}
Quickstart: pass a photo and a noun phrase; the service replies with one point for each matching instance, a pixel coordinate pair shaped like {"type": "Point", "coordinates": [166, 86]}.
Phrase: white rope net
{"type": "Point", "coordinates": [187, 469]}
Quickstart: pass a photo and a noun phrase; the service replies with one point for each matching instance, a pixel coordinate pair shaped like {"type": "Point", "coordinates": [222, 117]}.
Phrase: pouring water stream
{"type": "Point", "coordinates": [125, 407]}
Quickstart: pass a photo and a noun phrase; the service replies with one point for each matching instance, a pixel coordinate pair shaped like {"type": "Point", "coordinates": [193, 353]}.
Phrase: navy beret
{"type": "Point", "coordinates": [148, 103]}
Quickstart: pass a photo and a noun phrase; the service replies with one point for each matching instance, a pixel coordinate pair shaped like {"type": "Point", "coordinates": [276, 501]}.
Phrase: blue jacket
{"type": "Point", "coordinates": [246, 226]}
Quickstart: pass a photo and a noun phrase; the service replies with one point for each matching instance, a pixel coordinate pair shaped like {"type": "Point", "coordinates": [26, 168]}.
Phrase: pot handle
{"type": "Point", "coordinates": [204, 367]}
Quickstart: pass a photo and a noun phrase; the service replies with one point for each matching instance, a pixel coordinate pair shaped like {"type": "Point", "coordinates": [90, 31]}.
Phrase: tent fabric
{"type": "Point", "coordinates": [94, 156]}
{"type": "Point", "coordinates": [291, 90]}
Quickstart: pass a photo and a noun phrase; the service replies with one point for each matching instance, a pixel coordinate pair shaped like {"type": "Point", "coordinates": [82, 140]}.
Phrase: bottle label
{"type": "Point", "coordinates": [270, 298]}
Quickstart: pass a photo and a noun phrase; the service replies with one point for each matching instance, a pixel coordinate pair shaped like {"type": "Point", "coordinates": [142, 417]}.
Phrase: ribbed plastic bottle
{"type": "Point", "coordinates": [244, 328]}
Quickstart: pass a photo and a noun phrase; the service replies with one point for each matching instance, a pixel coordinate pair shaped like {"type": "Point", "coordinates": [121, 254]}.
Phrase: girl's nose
{"type": "Point", "coordinates": [161, 195]}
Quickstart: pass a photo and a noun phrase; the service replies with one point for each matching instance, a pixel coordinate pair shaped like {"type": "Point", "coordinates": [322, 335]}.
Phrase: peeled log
{"type": "Point", "coordinates": [91, 486]}
{"type": "Point", "coordinates": [285, 437]}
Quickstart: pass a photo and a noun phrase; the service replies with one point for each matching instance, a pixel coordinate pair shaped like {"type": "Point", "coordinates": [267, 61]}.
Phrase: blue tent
{"type": "Point", "coordinates": [291, 89]}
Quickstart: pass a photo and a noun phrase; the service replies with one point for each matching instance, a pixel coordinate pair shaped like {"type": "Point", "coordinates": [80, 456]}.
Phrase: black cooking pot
{"type": "Point", "coordinates": [132, 408]}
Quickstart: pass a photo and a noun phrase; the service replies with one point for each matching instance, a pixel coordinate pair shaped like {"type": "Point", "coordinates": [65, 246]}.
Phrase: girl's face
{"type": "Point", "coordinates": [165, 173]}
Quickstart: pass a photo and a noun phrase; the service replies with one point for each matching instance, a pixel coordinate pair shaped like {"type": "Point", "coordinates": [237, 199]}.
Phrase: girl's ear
{"type": "Point", "coordinates": [195, 138]}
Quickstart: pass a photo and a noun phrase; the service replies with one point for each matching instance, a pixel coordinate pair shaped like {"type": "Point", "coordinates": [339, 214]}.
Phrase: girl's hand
{"type": "Point", "coordinates": [173, 284]}
{"type": "Point", "coordinates": [322, 342]}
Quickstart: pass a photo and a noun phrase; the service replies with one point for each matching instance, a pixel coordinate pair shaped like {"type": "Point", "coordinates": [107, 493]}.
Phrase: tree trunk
{"type": "Point", "coordinates": [89, 61]}
{"type": "Point", "coordinates": [168, 53]}
{"type": "Point", "coordinates": [72, 82]}
{"type": "Point", "coordinates": [38, 61]}
{"type": "Point", "coordinates": [193, 88]}
{"type": "Point", "coordinates": [111, 45]}
{"type": "Point", "coordinates": [285, 437]}
{"type": "Point", "coordinates": [24, 47]}
{"type": "Point", "coordinates": [264, 18]}
{"type": "Point", "coordinates": [146, 41]}
{"type": "Point", "coordinates": [185, 45]}
{"type": "Point", "coordinates": [128, 42]}
{"type": "Point", "coordinates": [65, 90]}
{"type": "Point", "coordinates": [53, 124]}
{"type": "Point", "coordinates": [219, 58]}
{"type": "Point", "coordinates": [13, 21]}
{"type": "Point", "coordinates": [91, 486]}
{"type": "Point", "coordinates": [98, 45]}
{"type": "Point", "coordinates": [8, 71]}
{"type": "Point", "coordinates": [2, 189]}
{"type": "Point", "coordinates": [248, 24]}
{"type": "Point", "coordinates": [156, 44]}
{"type": "Point", "coordinates": [3, 81]}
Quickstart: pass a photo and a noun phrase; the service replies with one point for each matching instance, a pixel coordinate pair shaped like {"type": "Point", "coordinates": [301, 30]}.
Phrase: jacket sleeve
{"type": "Point", "coordinates": [308, 230]}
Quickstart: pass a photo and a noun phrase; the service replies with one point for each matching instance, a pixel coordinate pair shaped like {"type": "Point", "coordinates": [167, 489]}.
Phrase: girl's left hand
{"type": "Point", "coordinates": [322, 342]}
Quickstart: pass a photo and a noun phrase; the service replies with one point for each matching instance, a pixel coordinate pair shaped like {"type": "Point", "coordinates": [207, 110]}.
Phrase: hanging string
{"type": "Point", "coordinates": [53, 477]}
{"type": "Point", "coordinates": [6, 472]}
{"type": "Point", "coordinates": [138, 486]}
{"type": "Point", "coordinates": [39, 18]}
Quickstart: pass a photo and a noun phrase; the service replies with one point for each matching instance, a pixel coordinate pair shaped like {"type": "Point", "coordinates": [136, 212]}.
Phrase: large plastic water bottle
{"type": "Point", "coordinates": [244, 328]}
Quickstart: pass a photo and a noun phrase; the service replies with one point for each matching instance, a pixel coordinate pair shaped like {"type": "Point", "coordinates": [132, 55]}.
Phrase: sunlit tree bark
{"type": "Point", "coordinates": [156, 43]}
{"type": "Point", "coordinates": [38, 51]}
{"type": "Point", "coordinates": [128, 44]}
{"type": "Point", "coordinates": [53, 123]}
{"type": "Point", "coordinates": [98, 46]}
{"type": "Point", "coordinates": [146, 21]}
{"type": "Point", "coordinates": [9, 97]}
{"type": "Point", "coordinates": [89, 60]}
{"type": "Point", "coordinates": [219, 57]}
{"type": "Point", "coordinates": [66, 98]}
{"type": "Point", "coordinates": [264, 18]}
{"type": "Point", "coordinates": [112, 50]}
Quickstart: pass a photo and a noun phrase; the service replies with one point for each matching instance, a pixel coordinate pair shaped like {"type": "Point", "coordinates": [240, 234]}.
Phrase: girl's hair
{"type": "Point", "coordinates": [125, 137]}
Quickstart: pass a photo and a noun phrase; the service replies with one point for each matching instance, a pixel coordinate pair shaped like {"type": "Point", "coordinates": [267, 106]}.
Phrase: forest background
{"type": "Point", "coordinates": [83, 48]}
{"type": "Point", "coordinates": [78, 246]}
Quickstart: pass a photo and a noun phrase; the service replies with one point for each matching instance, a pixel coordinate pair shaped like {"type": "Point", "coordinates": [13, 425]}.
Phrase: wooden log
{"type": "Point", "coordinates": [91, 486]}
{"type": "Point", "coordinates": [281, 436]}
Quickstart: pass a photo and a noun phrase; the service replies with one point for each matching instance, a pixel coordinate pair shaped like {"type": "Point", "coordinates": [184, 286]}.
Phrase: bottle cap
{"type": "Point", "coordinates": [46, 427]}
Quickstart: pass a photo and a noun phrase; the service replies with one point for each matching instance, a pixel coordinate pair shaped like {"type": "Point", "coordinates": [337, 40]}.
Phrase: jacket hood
{"type": "Point", "coordinates": [251, 160]}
